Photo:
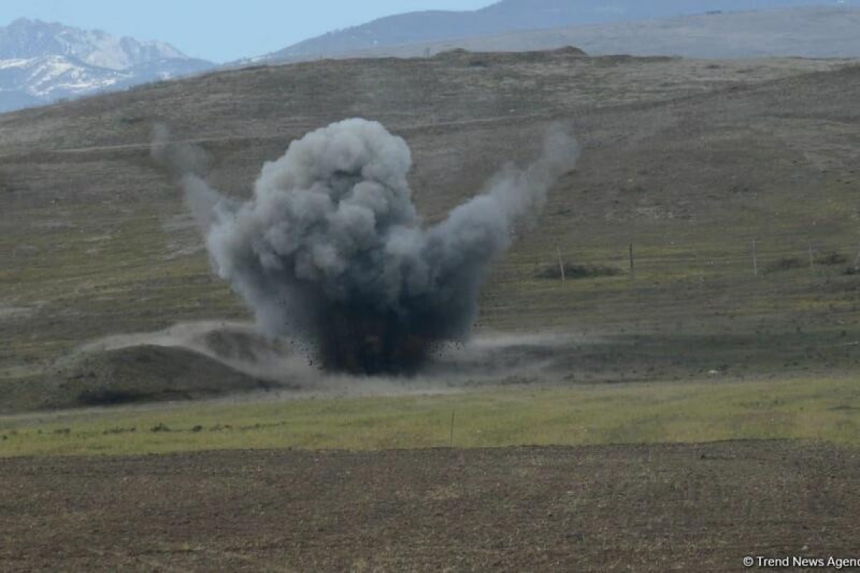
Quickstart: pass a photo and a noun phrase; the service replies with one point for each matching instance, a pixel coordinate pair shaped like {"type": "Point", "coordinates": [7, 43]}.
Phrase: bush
{"type": "Point", "coordinates": [831, 259]}
{"type": "Point", "coordinates": [576, 272]}
{"type": "Point", "coordinates": [786, 264]}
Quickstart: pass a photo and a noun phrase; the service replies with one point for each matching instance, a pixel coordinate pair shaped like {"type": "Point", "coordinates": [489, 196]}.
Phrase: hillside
{"type": "Point", "coordinates": [690, 161]}
{"type": "Point", "coordinates": [406, 30]}
{"type": "Point", "coordinates": [812, 32]}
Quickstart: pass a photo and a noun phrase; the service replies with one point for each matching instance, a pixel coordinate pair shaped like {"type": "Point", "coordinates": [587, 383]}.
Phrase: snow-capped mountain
{"type": "Point", "coordinates": [42, 62]}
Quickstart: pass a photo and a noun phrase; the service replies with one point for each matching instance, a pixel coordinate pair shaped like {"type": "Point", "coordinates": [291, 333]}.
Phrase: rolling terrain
{"type": "Point", "coordinates": [735, 183]}
{"type": "Point", "coordinates": [689, 161]}
{"type": "Point", "coordinates": [528, 16]}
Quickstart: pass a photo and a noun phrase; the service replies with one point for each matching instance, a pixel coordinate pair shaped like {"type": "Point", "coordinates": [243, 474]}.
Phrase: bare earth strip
{"type": "Point", "coordinates": [611, 508]}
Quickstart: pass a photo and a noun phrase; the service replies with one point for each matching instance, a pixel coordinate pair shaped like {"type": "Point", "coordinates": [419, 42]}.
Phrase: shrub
{"type": "Point", "coordinates": [785, 264]}
{"type": "Point", "coordinates": [831, 259]}
{"type": "Point", "coordinates": [575, 272]}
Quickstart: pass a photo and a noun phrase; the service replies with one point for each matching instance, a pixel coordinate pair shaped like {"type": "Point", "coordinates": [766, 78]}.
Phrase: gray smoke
{"type": "Point", "coordinates": [330, 249]}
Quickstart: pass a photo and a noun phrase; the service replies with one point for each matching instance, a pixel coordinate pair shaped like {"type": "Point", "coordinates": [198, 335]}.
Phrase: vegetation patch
{"type": "Point", "coordinates": [580, 414]}
{"type": "Point", "coordinates": [107, 397]}
{"type": "Point", "coordinates": [577, 272]}
{"type": "Point", "coordinates": [831, 259]}
{"type": "Point", "coordinates": [786, 264]}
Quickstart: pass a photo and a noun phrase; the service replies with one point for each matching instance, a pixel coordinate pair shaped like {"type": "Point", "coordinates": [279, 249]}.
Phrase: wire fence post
{"type": "Point", "coordinates": [632, 264]}
{"type": "Point", "coordinates": [560, 264]}
{"type": "Point", "coordinates": [755, 257]}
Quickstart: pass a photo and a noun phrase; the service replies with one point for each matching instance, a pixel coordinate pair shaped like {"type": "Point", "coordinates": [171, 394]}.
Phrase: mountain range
{"type": "Point", "coordinates": [512, 16]}
{"type": "Point", "coordinates": [42, 62]}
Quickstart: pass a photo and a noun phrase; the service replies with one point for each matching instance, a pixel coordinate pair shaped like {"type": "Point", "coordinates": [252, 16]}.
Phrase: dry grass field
{"type": "Point", "coordinates": [610, 508]}
{"type": "Point", "coordinates": [688, 160]}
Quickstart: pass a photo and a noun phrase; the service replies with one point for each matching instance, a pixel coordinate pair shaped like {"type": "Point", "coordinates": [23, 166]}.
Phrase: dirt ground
{"type": "Point", "coordinates": [616, 508]}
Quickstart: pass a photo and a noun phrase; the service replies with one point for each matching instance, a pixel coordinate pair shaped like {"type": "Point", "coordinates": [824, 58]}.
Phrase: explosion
{"type": "Point", "coordinates": [330, 250]}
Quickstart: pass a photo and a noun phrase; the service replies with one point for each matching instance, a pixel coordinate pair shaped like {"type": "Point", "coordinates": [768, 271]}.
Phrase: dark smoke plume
{"type": "Point", "coordinates": [330, 249]}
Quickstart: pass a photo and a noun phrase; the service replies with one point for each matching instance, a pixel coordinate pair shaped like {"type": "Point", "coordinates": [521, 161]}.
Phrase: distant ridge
{"type": "Point", "coordinates": [811, 32]}
{"type": "Point", "coordinates": [509, 16]}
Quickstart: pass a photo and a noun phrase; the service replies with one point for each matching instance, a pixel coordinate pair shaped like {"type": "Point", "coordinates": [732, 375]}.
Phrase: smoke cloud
{"type": "Point", "coordinates": [331, 251]}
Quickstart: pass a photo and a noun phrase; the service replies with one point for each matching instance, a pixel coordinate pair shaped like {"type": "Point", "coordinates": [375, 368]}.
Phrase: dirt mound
{"type": "Point", "coordinates": [235, 344]}
{"type": "Point", "coordinates": [149, 373]}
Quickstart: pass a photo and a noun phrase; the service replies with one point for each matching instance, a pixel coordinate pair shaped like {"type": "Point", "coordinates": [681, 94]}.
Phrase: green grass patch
{"type": "Point", "coordinates": [815, 409]}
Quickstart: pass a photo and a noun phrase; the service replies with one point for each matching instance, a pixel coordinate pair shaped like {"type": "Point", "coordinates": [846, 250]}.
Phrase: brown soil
{"type": "Point", "coordinates": [636, 508]}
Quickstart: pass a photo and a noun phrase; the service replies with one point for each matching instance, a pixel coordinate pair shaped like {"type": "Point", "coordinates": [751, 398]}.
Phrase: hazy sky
{"type": "Point", "coordinates": [220, 30]}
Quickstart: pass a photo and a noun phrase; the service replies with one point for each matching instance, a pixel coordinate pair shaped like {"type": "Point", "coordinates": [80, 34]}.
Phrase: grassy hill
{"type": "Point", "coordinates": [689, 161]}
{"type": "Point", "coordinates": [799, 31]}
{"type": "Point", "coordinates": [517, 20]}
